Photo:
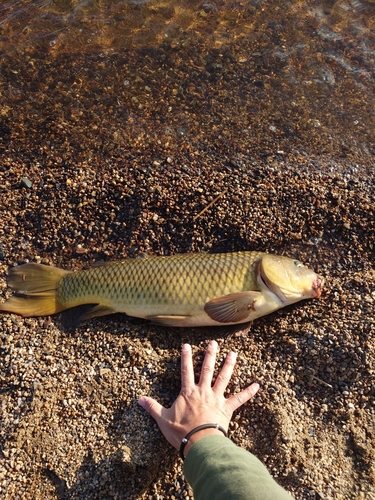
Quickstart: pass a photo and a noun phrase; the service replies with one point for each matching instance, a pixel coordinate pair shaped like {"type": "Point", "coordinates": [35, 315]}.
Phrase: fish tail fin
{"type": "Point", "coordinates": [35, 289]}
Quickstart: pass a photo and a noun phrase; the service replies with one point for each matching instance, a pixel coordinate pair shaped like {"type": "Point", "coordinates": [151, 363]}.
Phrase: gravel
{"type": "Point", "coordinates": [189, 144]}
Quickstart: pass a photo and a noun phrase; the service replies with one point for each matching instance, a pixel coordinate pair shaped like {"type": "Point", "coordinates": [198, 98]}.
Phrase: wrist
{"type": "Point", "coordinates": [198, 433]}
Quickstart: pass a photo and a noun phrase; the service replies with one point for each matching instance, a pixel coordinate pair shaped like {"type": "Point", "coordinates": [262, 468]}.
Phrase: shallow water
{"type": "Point", "coordinates": [298, 74]}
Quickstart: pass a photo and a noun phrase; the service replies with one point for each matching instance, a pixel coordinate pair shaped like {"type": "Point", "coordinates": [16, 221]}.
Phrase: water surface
{"type": "Point", "coordinates": [288, 77]}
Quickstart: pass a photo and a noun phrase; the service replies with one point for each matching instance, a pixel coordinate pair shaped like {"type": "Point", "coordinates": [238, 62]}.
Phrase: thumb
{"type": "Point", "coordinates": [151, 406]}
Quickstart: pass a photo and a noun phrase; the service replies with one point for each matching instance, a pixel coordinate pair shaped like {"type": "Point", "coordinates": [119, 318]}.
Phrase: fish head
{"type": "Point", "coordinates": [288, 279]}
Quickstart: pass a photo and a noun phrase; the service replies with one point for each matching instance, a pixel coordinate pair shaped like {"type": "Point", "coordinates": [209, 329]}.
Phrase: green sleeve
{"type": "Point", "coordinates": [218, 469]}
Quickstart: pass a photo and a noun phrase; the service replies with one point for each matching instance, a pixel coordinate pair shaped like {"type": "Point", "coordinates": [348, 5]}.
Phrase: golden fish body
{"type": "Point", "coordinates": [181, 290]}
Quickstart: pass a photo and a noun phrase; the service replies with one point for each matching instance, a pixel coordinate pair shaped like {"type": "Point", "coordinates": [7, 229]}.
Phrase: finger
{"type": "Point", "coordinates": [151, 406]}
{"type": "Point", "coordinates": [238, 399]}
{"type": "Point", "coordinates": [187, 370]}
{"type": "Point", "coordinates": [225, 373]}
{"type": "Point", "coordinates": [208, 365]}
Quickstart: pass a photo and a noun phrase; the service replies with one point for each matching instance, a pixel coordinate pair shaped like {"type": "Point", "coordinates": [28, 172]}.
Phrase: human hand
{"type": "Point", "coordinates": [200, 403]}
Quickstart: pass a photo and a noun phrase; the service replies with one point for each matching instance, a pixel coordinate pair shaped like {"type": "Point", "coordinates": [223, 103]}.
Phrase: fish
{"type": "Point", "coordinates": [185, 290]}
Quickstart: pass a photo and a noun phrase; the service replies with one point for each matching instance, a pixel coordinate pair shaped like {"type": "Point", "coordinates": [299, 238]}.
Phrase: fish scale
{"type": "Point", "coordinates": [186, 279]}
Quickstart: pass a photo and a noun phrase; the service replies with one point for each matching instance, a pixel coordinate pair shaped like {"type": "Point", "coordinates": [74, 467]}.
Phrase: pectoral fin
{"type": "Point", "coordinates": [165, 320]}
{"type": "Point", "coordinates": [232, 308]}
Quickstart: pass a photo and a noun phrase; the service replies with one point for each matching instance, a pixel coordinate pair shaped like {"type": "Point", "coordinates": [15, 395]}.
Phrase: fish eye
{"type": "Point", "coordinates": [297, 263]}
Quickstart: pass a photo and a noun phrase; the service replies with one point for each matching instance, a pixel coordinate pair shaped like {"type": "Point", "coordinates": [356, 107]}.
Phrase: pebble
{"type": "Point", "coordinates": [25, 182]}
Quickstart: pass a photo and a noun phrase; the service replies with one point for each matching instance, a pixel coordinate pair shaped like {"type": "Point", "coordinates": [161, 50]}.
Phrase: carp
{"type": "Point", "coordinates": [185, 290]}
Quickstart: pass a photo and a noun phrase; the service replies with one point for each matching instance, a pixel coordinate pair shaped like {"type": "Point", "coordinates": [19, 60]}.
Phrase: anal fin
{"type": "Point", "coordinates": [71, 318]}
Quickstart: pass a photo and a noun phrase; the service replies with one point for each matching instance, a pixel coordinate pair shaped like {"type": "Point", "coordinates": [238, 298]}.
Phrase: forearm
{"type": "Point", "coordinates": [216, 468]}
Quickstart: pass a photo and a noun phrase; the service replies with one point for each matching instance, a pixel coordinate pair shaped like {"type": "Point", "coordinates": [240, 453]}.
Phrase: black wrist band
{"type": "Point", "coordinates": [196, 429]}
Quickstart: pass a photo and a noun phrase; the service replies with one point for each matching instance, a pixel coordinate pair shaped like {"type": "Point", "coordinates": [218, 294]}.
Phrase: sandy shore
{"type": "Point", "coordinates": [117, 156]}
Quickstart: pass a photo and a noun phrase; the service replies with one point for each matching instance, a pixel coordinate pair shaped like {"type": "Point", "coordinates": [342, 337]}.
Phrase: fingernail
{"type": "Point", "coordinates": [232, 355]}
{"type": "Point", "coordinates": [256, 386]}
{"type": "Point", "coordinates": [186, 347]}
{"type": "Point", "coordinates": [213, 344]}
{"type": "Point", "coordinates": [142, 402]}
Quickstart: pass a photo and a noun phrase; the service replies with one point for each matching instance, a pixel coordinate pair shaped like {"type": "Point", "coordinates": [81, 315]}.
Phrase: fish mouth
{"type": "Point", "coordinates": [317, 286]}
